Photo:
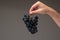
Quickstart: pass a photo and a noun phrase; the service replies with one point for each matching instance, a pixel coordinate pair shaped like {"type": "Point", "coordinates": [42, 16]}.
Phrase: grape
{"type": "Point", "coordinates": [33, 30]}
{"type": "Point", "coordinates": [31, 23]}
{"type": "Point", "coordinates": [36, 17]}
{"type": "Point", "coordinates": [26, 16]}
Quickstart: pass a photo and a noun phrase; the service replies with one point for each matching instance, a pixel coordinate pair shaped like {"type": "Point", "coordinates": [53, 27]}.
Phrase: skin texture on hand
{"type": "Point", "coordinates": [41, 8]}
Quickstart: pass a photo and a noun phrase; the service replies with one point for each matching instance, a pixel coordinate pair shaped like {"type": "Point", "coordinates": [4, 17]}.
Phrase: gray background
{"type": "Point", "coordinates": [13, 28]}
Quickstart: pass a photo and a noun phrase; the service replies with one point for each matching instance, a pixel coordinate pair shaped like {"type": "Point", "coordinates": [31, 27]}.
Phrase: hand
{"type": "Point", "coordinates": [39, 8]}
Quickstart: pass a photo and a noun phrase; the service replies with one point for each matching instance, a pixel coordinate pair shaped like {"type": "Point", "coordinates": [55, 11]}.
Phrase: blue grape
{"type": "Point", "coordinates": [31, 23]}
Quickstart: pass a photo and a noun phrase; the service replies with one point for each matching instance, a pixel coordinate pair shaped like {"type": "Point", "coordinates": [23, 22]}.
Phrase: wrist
{"type": "Point", "coordinates": [55, 16]}
{"type": "Point", "coordinates": [51, 12]}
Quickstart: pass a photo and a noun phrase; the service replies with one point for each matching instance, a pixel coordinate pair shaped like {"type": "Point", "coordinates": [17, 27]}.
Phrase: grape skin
{"type": "Point", "coordinates": [31, 23]}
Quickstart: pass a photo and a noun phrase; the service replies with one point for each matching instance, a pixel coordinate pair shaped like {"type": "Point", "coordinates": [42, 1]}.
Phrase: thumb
{"type": "Point", "coordinates": [37, 11]}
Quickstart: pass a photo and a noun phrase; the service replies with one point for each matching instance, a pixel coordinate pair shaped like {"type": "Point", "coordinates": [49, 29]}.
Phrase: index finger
{"type": "Point", "coordinates": [34, 6]}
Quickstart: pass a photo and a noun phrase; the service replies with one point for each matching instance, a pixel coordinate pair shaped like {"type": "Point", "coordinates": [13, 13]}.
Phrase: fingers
{"type": "Point", "coordinates": [38, 11]}
{"type": "Point", "coordinates": [34, 7]}
{"type": "Point", "coordinates": [38, 7]}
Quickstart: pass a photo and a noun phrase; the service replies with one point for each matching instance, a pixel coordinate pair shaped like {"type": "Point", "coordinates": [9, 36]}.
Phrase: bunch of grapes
{"type": "Point", "coordinates": [31, 23]}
